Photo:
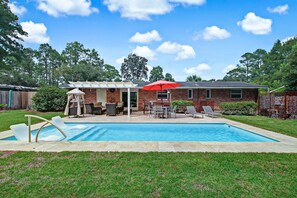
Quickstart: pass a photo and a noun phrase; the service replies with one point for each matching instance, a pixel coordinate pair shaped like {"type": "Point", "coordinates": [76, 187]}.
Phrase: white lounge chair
{"type": "Point", "coordinates": [191, 110]}
{"type": "Point", "coordinates": [208, 111]}
{"type": "Point", "coordinates": [57, 120]}
{"type": "Point", "coordinates": [20, 131]}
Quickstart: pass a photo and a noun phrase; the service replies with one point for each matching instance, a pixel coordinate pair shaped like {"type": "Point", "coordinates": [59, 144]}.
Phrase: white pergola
{"type": "Point", "coordinates": [106, 85]}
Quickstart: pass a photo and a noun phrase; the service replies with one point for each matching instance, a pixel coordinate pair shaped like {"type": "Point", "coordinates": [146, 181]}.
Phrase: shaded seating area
{"type": "Point", "coordinates": [75, 103]}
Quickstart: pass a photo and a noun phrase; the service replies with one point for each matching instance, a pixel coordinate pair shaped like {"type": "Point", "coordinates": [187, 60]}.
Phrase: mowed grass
{"type": "Point", "coordinates": [11, 117]}
{"type": "Point", "coordinates": [81, 174]}
{"type": "Point", "coordinates": [287, 127]}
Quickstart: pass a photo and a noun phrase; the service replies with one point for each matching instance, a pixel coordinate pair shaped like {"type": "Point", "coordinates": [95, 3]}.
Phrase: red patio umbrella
{"type": "Point", "coordinates": [161, 85]}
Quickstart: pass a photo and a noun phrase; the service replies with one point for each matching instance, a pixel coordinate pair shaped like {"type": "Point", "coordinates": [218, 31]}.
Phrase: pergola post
{"type": "Point", "coordinates": [129, 101]}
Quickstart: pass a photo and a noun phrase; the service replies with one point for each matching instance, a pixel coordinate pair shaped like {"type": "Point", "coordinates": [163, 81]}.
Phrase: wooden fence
{"type": "Point", "coordinates": [20, 99]}
{"type": "Point", "coordinates": [279, 105]}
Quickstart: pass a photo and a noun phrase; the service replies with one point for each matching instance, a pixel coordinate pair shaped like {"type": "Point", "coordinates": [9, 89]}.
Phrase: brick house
{"type": "Point", "coordinates": [201, 93]}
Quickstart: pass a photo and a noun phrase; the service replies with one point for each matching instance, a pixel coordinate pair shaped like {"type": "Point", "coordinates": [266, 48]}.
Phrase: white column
{"type": "Point", "coordinates": [129, 101]}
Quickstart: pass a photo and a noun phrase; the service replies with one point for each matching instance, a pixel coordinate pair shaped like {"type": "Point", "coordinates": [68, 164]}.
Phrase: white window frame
{"type": "Point", "coordinates": [209, 94]}
{"type": "Point", "coordinates": [236, 93]}
{"type": "Point", "coordinates": [190, 90]}
{"type": "Point", "coordinates": [157, 94]}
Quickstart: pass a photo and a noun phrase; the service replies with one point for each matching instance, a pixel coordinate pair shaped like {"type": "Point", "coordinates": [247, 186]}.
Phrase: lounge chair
{"type": "Point", "coordinates": [20, 131]}
{"type": "Point", "coordinates": [57, 120]}
{"type": "Point", "coordinates": [208, 111]}
{"type": "Point", "coordinates": [191, 110]}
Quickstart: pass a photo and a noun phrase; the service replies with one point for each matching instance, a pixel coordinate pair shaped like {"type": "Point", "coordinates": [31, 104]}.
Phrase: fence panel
{"type": "Point", "coordinates": [280, 105]}
{"type": "Point", "coordinates": [20, 99]}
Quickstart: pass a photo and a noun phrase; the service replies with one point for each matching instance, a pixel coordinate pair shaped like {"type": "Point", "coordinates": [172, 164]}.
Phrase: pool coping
{"type": "Point", "coordinates": [286, 144]}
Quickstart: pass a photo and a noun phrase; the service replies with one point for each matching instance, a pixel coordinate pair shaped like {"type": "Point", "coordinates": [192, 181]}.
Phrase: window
{"type": "Point", "coordinates": [162, 95]}
{"type": "Point", "coordinates": [208, 94]}
{"type": "Point", "coordinates": [236, 93]}
{"type": "Point", "coordinates": [190, 93]}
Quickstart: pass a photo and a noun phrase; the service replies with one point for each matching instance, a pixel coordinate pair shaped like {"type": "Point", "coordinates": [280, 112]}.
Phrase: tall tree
{"type": "Point", "coordinates": [237, 74]}
{"type": "Point", "coordinates": [290, 70]}
{"type": "Point", "coordinates": [111, 73]}
{"type": "Point", "coordinates": [49, 60]}
{"type": "Point", "coordinates": [81, 64]}
{"type": "Point", "coordinates": [194, 78]}
{"type": "Point", "coordinates": [10, 31]}
{"type": "Point", "coordinates": [156, 74]}
{"type": "Point", "coordinates": [169, 77]}
{"type": "Point", "coordinates": [134, 68]}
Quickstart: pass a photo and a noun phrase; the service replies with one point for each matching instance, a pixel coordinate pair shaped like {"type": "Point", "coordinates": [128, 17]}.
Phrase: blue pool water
{"type": "Point", "coordinates": [155, 132]}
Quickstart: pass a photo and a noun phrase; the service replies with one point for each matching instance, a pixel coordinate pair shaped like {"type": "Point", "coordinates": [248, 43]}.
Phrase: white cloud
{"type": "Point", "coordinates": [189, 2]}
{"type": "Point", "coordinates": [57, 8]}
{"type": "Point", "coordinates": [144, 51]}
{"type": "Point", "coordinates": [146, 37]}
{"type": "Point", "coordinates": [181, 51]}
{"type": "Point", "coordinates": [279, 9]}
{"type": "Point", "coordinates": [142, 10]}
{"type": "Point", "coordinates": [36, 32]}
{"type": "Point", "coordinates": [255, 24]}
{"type": "Point", "coordinates": [199, 69]}
{"type": "Point", "coordinates": [135, 9]}
{"type": "Point", "coordinates": [228, 68]}
{"type": "Point", "coordinates": [120, 60]}
{"type": "Point", "coordinates": [288, 39]}
{"type": "Point", "coordinates": [17, 10]}
{"type": "Point", "coordinates": [212, 33]}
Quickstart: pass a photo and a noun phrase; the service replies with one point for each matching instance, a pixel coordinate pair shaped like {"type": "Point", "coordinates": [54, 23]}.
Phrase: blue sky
{"type": "Point", "coordinates": [203, 37]}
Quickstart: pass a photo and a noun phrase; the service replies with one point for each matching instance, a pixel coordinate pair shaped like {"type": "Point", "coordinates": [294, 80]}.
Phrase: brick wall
{"type": "Point", "coordinates": [90, 95]}
{"type": "Point", "coordinates": [199, 96]}
{"type": "Point", "coordinates": [113, 96]}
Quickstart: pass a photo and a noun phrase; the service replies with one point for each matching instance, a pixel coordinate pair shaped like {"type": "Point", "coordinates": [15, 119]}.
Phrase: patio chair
{"type": "Point", "coordinates": [111, 109]}
{"type": "Point", "coordinates": [21, 133]}
{"type": "Point", "coordinates": [172, 111]}
{"type": "Point", "coordinates": [191, 110]}
{"type": "Point", "coordinates": [158, 111]}
{"type": "Point", "coordinates": [208, 111]}
{"type": "Point", "coordinates": [57, 120]}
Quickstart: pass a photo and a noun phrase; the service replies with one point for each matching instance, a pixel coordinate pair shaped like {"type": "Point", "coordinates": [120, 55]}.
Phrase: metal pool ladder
{"type": "Point", "coordinates": [46, 123]}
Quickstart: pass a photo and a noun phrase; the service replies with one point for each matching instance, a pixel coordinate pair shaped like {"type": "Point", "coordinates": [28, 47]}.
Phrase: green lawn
{"type": "Point", "coordinates": [288, 127]}
{"type": "Point", "coordinates": [8, 118]}
{"type": "Point", "coordinates": [80, 174]}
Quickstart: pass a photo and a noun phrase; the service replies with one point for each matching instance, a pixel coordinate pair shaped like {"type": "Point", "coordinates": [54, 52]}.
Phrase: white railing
{"type": "Point", "coordinates": [46, 123]}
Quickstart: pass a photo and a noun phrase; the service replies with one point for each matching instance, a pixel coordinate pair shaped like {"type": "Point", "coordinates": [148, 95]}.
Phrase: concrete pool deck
{"type": "Point", "coordinates": [286, 143]}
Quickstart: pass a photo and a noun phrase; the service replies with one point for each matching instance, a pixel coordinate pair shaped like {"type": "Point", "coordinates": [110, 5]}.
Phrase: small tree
{"type": "Point", "coordinates": [156, 74]}
{"type": "Point", "coordinates": [169, 77]}
{"type": "Point", "coordinates": [194, 78]}
{"type": "Point", "coordinates": [134, 68]}
{"type": "Point", "coordinates": [49, 98]}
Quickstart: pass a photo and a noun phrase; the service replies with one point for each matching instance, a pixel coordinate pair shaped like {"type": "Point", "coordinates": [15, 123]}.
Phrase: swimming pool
{"type": "Point", "coordinates": [163, 132]}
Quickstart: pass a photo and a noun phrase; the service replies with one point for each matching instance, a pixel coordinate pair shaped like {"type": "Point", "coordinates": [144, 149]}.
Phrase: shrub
{"type": "Point", "coordinates": [49, 98]}
{"type": "Point", "coordinates": [181, 105]}
{"type": "Point", "coordinates": [239, 108]}
{"type": "Point", "coordinates": [2, 106]}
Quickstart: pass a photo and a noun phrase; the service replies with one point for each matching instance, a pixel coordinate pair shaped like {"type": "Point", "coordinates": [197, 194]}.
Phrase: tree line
{"type": "Point", "coordinates": [275, 68]}
{"type": "Point", "coordinates": [46, 66]}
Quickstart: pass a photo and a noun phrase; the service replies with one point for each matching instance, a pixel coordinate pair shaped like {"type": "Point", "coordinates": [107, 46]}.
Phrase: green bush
{"type": "Point", "coordinates": [49, 98]}
{"type": "Point", "coordinates": [181, 103]}
{"type": "Point", "coordinates": [239, 108]}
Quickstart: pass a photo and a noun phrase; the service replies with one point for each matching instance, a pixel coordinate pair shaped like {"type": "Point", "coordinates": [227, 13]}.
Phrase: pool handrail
{"type": "Point", "coordinates": [47, 122]}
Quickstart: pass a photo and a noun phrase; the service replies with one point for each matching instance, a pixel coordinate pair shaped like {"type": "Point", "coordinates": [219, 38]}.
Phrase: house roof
{"type": "Point", "coordinates": [96, 84]}
{"type": "Point", "coordinates": [17, 88]}
{"type": "Point", "coordinates": [201, 85]}
{"type": "Point", "coordinates": [212, 85]}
